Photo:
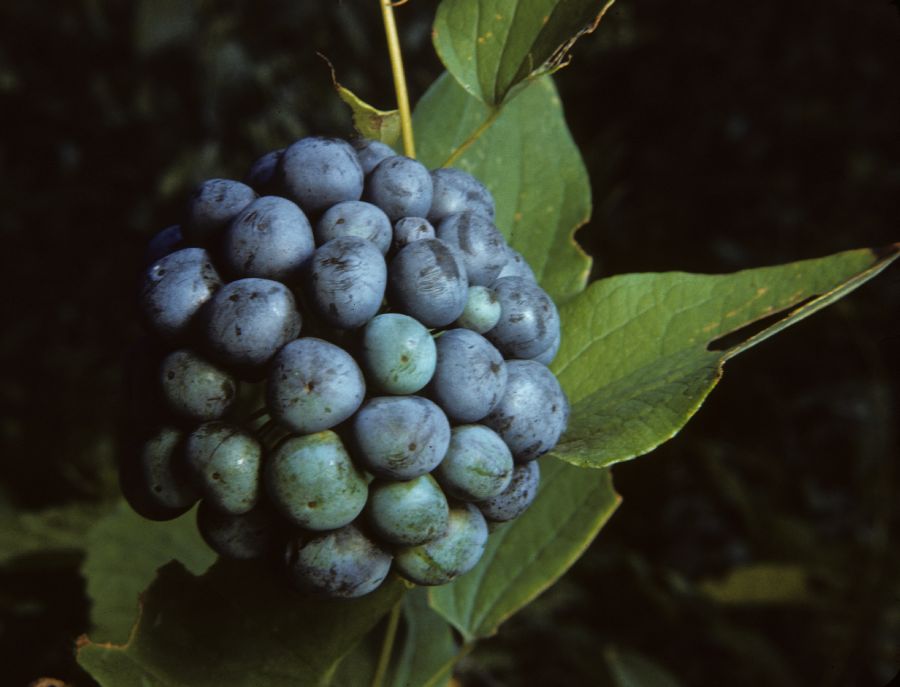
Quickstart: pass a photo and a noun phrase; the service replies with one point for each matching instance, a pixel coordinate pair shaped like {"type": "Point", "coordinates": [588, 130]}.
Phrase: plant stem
{"type": "Point", "coordinates": [393, 41]}
{"type": "Point", "coordinates": [265, 428]}
{"type": "Point", "coordinates": [258, 413]}
{"type": "Point", "coordinates": [387, 646]}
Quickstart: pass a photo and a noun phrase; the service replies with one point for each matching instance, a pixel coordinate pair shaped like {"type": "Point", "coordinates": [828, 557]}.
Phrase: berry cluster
{"type": "Point", "coordinates": [407, 416]}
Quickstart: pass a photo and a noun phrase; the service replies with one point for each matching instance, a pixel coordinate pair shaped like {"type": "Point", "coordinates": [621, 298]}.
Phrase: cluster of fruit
{"type": "Point", "coordinates": [405, 419]}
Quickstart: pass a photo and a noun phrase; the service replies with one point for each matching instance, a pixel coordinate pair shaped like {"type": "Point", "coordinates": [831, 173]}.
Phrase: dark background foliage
{"type": "Point", "coordinates": [718, 136]}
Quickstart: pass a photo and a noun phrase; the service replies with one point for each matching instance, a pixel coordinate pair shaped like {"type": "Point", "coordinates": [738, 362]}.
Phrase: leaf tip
{"type": "Point", "coordinates": [888, 252]}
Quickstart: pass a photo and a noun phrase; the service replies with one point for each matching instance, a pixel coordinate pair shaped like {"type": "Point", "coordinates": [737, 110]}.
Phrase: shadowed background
{"type": "Point", "coordinates": [718, 136]}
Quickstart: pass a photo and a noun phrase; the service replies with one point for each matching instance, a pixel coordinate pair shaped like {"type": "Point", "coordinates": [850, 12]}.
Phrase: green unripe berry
{"type": "Point", "coordinates": [313, 482]}
{"type": "Point", "coordinates": [225, 462]}
{"type": "Point", "coordinates": [478, 464]}
{"type": "Point", "coordinates": [452, 554]}
{"type": "Point", "coordinates": [482, 311]}
{"type": "Point", "coordinates": [412, 512]}
{"type": "Point", "coordinates": [398, 353]}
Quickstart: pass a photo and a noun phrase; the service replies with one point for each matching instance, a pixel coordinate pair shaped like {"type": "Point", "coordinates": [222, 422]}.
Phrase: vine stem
{"type": "Point", "coordinates": [393, 41]}
{"type": "Point", "coordinates": [387, 646]}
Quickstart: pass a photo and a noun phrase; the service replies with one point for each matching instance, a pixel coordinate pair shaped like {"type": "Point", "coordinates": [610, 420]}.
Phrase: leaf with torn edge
{"type": "Point", "coordinates": [236, 625]}
{"type": "Point", "coordinates": [638, 354]}
{"type": "Point", "coordinates": [492, 46]}
{"type": "Point", "coordinates": [370, 122]}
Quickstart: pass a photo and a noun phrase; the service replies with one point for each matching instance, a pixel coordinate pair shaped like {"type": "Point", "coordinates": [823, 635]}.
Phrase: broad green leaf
{"type": "Point", "coordinates": [526, 556]}
{"type": "Point", "coordinates": [236, 625]}
{"type": "Point", "coordinates": [124, 552]}
{"type": "Point", "coordinates": [424, 651]}
{"type": "Point", "coordinates": [428, 649]}
{"type": "Point", "coordinates": [57, 530]}
{"type": "Point", "coordinates": [761, 583]}
{"type": "Point", "coordinates": [489, 46]}
{"type": "Point", "coordinates": [525, 155]}
{"type": "Point", "coordinates": [379, 125]}
{"type": "Point", "coordinates": [631, 669]}
{"type": "Point", "coordinates": [635, 358]}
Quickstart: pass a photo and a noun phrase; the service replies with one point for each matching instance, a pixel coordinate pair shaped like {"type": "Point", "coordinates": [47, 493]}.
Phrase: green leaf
{"type": "Point", "coordinates": [526, 556]}
{"type": "Point", "coordinates": [379, 125]}
{"type": "Point", "coordinates": [124, 552]}
{"type": "Point", "coordinates": [489, 46]}
{"type": "Point", "coordinates": [58, 530]}
{"type": "Point", "coordinates": [760, 583]}
{"type": "Point", "coordinates": [236, 625]}
{"type": "Point", "coordinates": [425, 650]}
{"type": "Point", "coordinates": [428, 649]}
{"type": "Point", "coordinates": [631, 669]}
{"type": "Point", "coordinates": [635, 358]}
{"type": "Point", "coordinates": [525, 155]}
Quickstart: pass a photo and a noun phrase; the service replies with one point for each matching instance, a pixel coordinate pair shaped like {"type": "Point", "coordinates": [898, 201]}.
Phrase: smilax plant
{"type": "Point", "coordinates": [630, 358]}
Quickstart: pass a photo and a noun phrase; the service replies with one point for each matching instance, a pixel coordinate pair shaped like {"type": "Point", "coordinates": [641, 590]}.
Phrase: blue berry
{"type": "Point", "coordinates": [313, 385]}
{"type": "Point", "coordinates": [319, 172]}
{"type": "Point", "coordinates": [479, 242]}
{"type": "Point", "coordinates": [516, 266]}
{"type": "Point", "coordinates": [343, 564]}
{"type": "Point", "coordinates": [271, 239]}
{"type": "Point", "coordinates": [409, 229]}
{"type": "Point", "coordinates": [427, 279]}
{"type": "Point", "coordinates": [533, 412]}
{"type": "Point", "coordinates": [263, 174]}
{"type": "Point", "coordinates": [478, 464]}
{"type": "Point", "coordinates": [347, 277]}
{"type": "Point", "coordinates": [162, 243]}
{"type": "Point", "coordinates": [401, 187]}
{"type": "Point", "coordinates": [370, 153]}
{"type": "Point", "coordinates": [410, 513]}
{"type": "Point", "coordinates": [355, 218]}
{"type": "Point", "coordinates": [458, 191]}
{"type": "Point", "coordinates": [163, 473]}
{"type": "Point", "coordinates": [213, 205]}
{"type": "Point", "coordinates": [312, 482]}
{"type": "Point", "coordinates": [195, 388]}
{"type": "Point", "coordinates": [174, 289]}
{"type": "Point", "coordinates": [482, 311]}
{"type": "Point", "coordinates": [241, 537]}
{"type": "Point", "coordinates": [516, 498]}
{"type": "Point", "coordinates": [470, 375]}
{"type": "Point", "coordinates": [547, 356]}
{"type": "Point", "coordinates": [452, 554]}
{"type": "Point", "coordinates": [400, 437]}
{"type": "Point", "coordinates": [529, 321]}
{"type": "Point", "coordinates": [248, 320]}
{"type": "Point", "coordinates": [225, 463]}
{"type": "Point", "coordinates": [398, 353]}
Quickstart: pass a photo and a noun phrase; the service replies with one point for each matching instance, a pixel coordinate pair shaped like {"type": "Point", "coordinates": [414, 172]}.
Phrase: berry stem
{"type": "Point", "coordinates": [258, 413]}
{"type": "Point", "coordinates": [387, 645]}
{"type": "Point", "coordinates": [264, 429]}
{"type": "Point", "coordinates": [393, 41]}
